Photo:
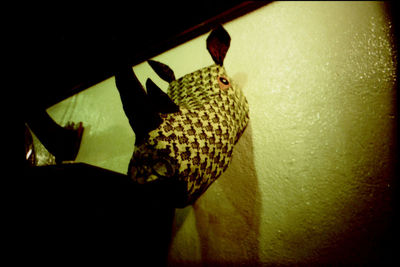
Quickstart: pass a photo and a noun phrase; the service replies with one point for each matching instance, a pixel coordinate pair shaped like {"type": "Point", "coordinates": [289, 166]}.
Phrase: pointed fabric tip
{"type": "Point", "coordinates": [160, 100]}
{"type": "Point", "coordinates": [218, 43]}
{"type": "Point", "coordinates": [162, 70]}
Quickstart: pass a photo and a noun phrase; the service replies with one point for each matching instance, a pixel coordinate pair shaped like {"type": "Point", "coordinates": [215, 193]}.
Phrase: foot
{"type": "Point", "coordinates": [69, 142]}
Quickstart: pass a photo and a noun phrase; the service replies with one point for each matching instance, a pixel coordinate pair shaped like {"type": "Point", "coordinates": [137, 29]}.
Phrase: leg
{"type": "Point", "coordinates": [62, 142]}
{"type": "Point", "coordinates": [139, 110]}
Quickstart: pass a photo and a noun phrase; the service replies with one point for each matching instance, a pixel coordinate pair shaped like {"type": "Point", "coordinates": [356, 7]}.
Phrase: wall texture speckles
{"type": "Point", "coordinates": [311, 178]}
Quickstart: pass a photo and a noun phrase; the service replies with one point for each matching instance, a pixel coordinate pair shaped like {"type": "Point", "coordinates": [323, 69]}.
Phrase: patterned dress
{"type": "Point", "coordinates": [193, 146]}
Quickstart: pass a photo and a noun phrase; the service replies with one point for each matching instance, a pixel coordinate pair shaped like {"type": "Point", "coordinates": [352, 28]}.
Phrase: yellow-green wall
{"type": "Point", "coordinates": [311, 179]}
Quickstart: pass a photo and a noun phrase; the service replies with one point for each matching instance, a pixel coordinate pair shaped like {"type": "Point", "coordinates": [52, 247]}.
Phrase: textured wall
{"type": "Point", "coordinates": [311, 178]}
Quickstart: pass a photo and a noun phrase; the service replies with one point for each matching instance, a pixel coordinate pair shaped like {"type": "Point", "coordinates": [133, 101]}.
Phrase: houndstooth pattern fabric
{"type": "Point", "coordinates": [194, 146]}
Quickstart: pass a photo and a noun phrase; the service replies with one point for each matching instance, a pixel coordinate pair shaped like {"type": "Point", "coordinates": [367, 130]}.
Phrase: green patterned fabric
{"type": "Point", "coordinates": [193, 144]}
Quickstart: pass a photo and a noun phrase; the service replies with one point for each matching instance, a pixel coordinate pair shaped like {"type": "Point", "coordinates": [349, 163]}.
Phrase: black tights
{"type": "Point", "coordinates": [62, 142]}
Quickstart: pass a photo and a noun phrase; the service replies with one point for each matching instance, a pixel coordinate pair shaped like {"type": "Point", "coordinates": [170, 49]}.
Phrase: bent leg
{"type": "Point", "coordinates": [62, 142]}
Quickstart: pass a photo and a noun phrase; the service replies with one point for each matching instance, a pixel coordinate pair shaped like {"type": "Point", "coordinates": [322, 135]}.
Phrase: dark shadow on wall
{"type": "Point", "coordinates": [228, 216]}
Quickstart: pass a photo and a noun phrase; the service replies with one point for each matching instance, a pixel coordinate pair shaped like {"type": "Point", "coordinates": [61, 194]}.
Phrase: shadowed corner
{"type": "Point", "coordinates": [80, 212]}
{"type": "Point", "coordinates": [228, 215]}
